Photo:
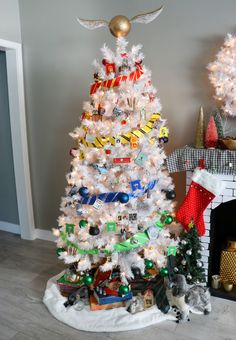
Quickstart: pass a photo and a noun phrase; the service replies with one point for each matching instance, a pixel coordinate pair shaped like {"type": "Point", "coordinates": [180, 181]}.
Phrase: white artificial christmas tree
{"type": "Point", "coordinates": [223, 75]}
{"type": "Point", "coordinates": [118, 186]}
{"type": "Point", "coordinates": [114, 229]}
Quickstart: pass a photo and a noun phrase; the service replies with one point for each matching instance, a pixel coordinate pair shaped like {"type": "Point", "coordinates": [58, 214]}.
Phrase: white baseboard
{"type": "Point", "coordinates": [46, 235]}
{"type": "Point", "coordinates": [41, 234]}
{"type": "Point", "coordinates": [10, 227]}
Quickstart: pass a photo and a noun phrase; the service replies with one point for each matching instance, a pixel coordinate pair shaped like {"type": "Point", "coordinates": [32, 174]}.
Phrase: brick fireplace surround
{"type": "Point", "coordinates": [228, 194]}
{"type": "Point", "coordinates": [221, 163]}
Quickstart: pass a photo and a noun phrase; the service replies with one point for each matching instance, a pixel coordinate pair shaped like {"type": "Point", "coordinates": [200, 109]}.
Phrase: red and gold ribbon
{"type": "Point", "coordinates": [114, 82]}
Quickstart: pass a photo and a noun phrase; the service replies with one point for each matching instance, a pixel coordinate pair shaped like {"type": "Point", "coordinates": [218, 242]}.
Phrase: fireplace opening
{"type": "Point", "coordinates": [222, 260]}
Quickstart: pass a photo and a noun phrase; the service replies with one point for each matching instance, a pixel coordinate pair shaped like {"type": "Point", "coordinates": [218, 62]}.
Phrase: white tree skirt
{"type": "Point", "coordinates": [112, 320]}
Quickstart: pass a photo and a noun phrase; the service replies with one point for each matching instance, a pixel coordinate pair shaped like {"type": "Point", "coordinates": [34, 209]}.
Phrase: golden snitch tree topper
{"type": "Point", "coordinates": [120, 25]}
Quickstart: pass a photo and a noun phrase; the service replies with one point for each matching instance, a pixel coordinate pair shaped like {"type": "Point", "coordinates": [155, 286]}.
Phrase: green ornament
{"type": "Point", "coordinates": [69, 228]}
{"type": "Point", "coordinates": [171, 250]}
{"type": "Point", "coordinates": [168, 219]}
{"type": "Point", "coordinates": [148, 264]}
{"type": "Point", "coordinates": [123, 290]}
{"type": "Point", "coordinates": [88, 279]}
{"type": "Point", "coordinates": [83, 223]}
{"type": "Point", "coordinates": [110, 226]}
{"type": "Point", "coordinates": [59, 251]}
{"type": "Point", "coordinates": [164, 272]}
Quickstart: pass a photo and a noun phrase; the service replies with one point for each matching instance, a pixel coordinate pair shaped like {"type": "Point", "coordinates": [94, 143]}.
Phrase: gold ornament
{"type": "Point", "coordinates": [199, 140]}
{"type": "Point", "coordinates": [119, 26]}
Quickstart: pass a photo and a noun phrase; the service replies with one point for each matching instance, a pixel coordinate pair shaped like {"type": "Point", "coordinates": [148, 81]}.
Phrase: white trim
{"type": "Point", "coordinates": [10, 227]}
{"type": "Point", "coordinates": [40, 234]}
{"type": "Point", "coordinates": [208, 181]}
{"type": "Point", "coordinates": [117, 320]}
{"type": "Point", "coordinates": [19, 137]}
{"type": "Point", "coordinates": [45, 235]}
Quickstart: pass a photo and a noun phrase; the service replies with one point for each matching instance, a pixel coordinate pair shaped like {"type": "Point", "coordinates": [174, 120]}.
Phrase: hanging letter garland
{"type": "Point", "coordinates": [101, 141]}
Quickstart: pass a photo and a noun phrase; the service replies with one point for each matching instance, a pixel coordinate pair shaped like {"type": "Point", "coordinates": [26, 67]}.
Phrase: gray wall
{"type": "Point", "coordinates": [8, 201]}
{"type": "Point", "coordinates": [10, 20]}
{"type": "Point", "coordinates": [57, 60]}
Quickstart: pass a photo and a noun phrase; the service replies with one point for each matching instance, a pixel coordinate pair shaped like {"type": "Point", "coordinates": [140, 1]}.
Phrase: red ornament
{"type": "Point", "coordinates": [123, 122]}
{"type": "Point", "coordinates": [108, 151]}
{"type": "Point", "coordinates": [211, 138]}
{"type": "Point", "coordinates": [121, 160]}
{"type": "Point", "coordinates": [110, 67]}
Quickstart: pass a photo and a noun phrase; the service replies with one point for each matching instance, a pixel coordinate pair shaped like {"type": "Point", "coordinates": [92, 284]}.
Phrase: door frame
{"type": "Point", "coordinates": [15, 81]}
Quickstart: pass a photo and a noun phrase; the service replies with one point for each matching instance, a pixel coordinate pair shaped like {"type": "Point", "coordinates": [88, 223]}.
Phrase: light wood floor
{"type": "Point", "coordinates": [25, 267]}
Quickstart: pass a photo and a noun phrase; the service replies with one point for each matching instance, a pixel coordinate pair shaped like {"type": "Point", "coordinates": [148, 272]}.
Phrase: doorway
{"type": "Point", "coordinates": [17, 209]}
{"type": "Point", "coordinates": [8, 201]}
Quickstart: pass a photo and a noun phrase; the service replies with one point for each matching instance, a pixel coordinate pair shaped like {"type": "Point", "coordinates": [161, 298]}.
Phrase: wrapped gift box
{"type": "Point", "coordinates": [67, 287]}
{"type": "Point", "coordinates": [94, 305]}
{"type": "Point", "coordinates": [228, 266]}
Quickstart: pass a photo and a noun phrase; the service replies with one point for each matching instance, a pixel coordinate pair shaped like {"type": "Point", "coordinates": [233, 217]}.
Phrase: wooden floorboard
{"type": "Point", "coordinates": [25, 267]}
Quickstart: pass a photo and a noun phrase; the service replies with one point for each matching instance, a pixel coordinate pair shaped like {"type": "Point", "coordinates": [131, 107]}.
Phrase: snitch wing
{"type": "Point", "coordinates": [92, 24]}
{"type": "Point", "coordinates": [146, 18]}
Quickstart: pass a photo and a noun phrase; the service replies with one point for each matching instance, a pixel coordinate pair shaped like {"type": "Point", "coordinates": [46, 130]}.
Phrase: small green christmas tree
{"type": "Point", "coordinates": [219, 123]}
{"type": "Point", "coordinates": [188, 257]}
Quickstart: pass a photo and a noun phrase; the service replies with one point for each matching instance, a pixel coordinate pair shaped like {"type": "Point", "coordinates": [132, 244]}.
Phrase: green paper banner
{"type": "Point", "coordinates": [171, 250]}
{"type": "Point", "coordinates": [80, 250]}
{"type": "Point", "coordinates": [133, 242]}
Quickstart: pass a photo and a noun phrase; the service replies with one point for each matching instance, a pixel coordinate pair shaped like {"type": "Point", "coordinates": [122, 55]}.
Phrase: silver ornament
{"type": "Point", "coordinates": [183, 242]}
{"type": "Point", "coordinates": [189, 277]}
{"type": "Point", "coordinates": [202, 248]}
{"type": "Point", "coordinates": [176, 270]}
{"type": "Point", "coordinates": [183, 262]}
{"type": "Point", "coordinates": [153, 233]}
{"type": "Point", "coordinates": [189, 252]}
{"type": "Point", "coordinates": [199, 264]}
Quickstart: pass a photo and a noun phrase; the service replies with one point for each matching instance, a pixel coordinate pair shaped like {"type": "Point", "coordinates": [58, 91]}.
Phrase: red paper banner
{"type": "Point", "coordinates": [135, 75]}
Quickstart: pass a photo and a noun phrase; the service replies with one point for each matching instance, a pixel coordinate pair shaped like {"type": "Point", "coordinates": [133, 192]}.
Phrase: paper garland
{"type": "Point", "coordinates": [101, 141]}
{"type": "Point", "coordinates": [133, 242]}
{"type": "Point", "coordinates": [115, 196]}
{"type": "Point", "coordinates": [137, 240]}
{"type": "Point", "coordinates": [114, 82]}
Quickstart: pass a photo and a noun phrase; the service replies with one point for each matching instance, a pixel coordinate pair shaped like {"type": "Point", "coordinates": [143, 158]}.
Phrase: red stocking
{"type": "Point", "coordinates": [203, 189]}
